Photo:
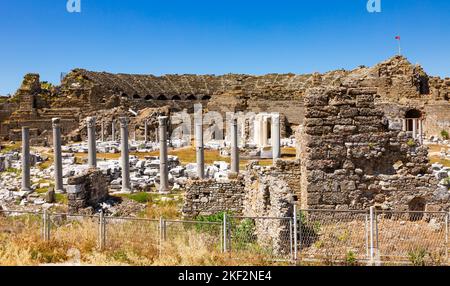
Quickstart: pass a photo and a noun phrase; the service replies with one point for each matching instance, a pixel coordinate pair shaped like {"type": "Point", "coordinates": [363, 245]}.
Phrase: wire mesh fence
{"type": "Point", "coordinates": [320, 236]}
{"type": "Point", "coordinates": [71, 231]}
{"type": "Point", "coordinates": [139, 236]}
{"type": "Point", "coordinates": [17, 224]}
{"type": "Point", "coordinates": [193, 233]}
{"type": "Point", "coordinates": [420, 238]}
{"type": "Point", "coordinates": [270, 238]}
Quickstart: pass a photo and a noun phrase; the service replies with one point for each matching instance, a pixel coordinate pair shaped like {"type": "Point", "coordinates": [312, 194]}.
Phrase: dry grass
{"type": "Point", "coordinates": [187, 155]}
{"type": "Point", "coordinates": [437, 159]}
{"type": "Point", "coordinates": [128, 243]}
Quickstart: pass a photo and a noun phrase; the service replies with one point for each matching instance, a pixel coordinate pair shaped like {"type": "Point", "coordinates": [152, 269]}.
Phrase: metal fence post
{"type": "Point", "coordinates": [102, 231]}
{"type": "Point", "coordinates": [46, 226]}
{"type": "Point", "coordinates": [371, 235]}
{"type": "Point", "coordinates": [295, 233]}
{"type": "Point", "coordinates": [225, 233]}
{"type": "Point", "coordinates": [446, 237]}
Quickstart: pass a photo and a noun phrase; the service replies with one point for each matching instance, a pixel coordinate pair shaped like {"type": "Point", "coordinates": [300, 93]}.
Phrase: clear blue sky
{"type": "Point", "coordinates": [216, 36]}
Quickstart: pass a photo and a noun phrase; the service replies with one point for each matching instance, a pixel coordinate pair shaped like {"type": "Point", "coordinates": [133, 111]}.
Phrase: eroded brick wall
{"type": "Point", "coordinates": [352, 160]}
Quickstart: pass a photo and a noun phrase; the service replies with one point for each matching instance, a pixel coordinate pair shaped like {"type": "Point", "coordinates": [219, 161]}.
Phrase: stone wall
{"type": "Point", "coordinates": [352, 160]}
{"type": "Point", "coordinates": [87, 191]}
{"type": "Point", "coordinates": [209, 197]}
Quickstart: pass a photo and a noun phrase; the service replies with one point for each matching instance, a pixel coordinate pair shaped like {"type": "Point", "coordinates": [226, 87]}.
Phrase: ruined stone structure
{"type": "Point", "coordinates": [208, 197]}
{"type": "Point", "coordinates": [352, 159]}
{"type": "Point", "coordinates": [400, 88]}
{"type": "Point", "coordinates": [86, 191]}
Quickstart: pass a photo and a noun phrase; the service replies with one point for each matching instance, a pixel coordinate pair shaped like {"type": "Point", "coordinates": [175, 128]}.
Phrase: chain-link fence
{"type": "Point", "coordinates": [420, 238]}
{"type": "Point", "coordinates": [18, 224]}
{"type": "Point", "coordinates": [333, 236]}
{"type": "Point", "coordinates": [266, 237]}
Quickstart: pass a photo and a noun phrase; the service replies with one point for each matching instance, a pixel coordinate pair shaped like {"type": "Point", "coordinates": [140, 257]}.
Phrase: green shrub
{"type": "Point", "coordinates": [411, 143]}
{"type": "Point", "coordinates": [417, 257]}
{"type": "Point", "coordinates": [445, 135]}
{"type": "Point", "coordinates": [350, 259]}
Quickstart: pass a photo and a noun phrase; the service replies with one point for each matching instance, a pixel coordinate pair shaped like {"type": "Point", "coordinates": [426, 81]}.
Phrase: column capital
{"type": "Point", "coordinates": [163, 120]}
{"type": "Point", "coordinates": [124, 121]}
{"type": "Point", "coordinates": [24, 128]}
{"type": "Point", "coordinates": [56, 122]}
{"type": "Point", "coordinates": [90, 121]}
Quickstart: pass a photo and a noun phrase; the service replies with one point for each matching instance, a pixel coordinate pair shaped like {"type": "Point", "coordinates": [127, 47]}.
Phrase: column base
{"type": "Point", "coordinates": [60, 191]}
{"type": "Point", "coordinates": [28, 190]}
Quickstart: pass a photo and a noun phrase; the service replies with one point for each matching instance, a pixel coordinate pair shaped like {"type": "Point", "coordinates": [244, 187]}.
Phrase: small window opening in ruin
{"type": "Point", "coordinates": [162, 97]}
{"type": "Point", "coordinates": [176, 97]}
{"type": "Point", "coordinates": [266, 198]}
{"type": "Point", "coordinates": [34, 102]}
{"type": "Point", "coordinates": [136, 96]}
{"type": "Point", "coordinates": [206, 97]}
{"type": "Point", "coordinates": [149, 97]}
{"type": "Point", "coordinates": [424, 87]}
{"type": "Point", "coordinates": [416, 207]}
{"type": "Point", "coordinates": [410, 117]}
{"type": "Point", "coordinates": [191, 97]}
{"type": "Point", "coordinates": [124, 95]}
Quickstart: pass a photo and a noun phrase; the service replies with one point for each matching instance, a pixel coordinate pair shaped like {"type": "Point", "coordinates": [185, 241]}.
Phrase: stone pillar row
{"type": "Point", "coordinates": [92, 153]}
{"type": "Point", "coordinates": [124, 121]}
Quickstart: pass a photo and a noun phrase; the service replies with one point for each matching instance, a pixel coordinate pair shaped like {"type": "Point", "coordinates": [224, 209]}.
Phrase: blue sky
{"type": "Point", "coordinates": [216, 36]}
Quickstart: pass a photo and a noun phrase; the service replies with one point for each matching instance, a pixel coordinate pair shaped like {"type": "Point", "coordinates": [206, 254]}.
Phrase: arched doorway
{"type": "Point", "coordinates": [416, 206]}
{"type": "Point", "coordinates": [413, 123]}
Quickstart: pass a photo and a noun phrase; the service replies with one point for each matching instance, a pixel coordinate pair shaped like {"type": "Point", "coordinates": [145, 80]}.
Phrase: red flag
{"type": "Point", "coordinates": [397, 38]}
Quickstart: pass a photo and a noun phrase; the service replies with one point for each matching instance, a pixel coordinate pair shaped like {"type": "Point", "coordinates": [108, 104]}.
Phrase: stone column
{"type": "Point", "coordinates": [125, 156]}
{"type": "Point", "coordinates": [113, 131]}
{"type": "Point", "coordinates": [265, 132]}
{"type": "Point", "coordinates": [102, 137]}
{"type": "Point", "coordinates": [276, 140]}
{"type": "Point", "coordinates": [145, 131]}
{"type": "Point", "coordinates": [234, 146]}
{"type": "Point", "coordinates": [164, 171]}
{"type": "Point", "coordinates": [56, 122]}
{"type": "Point", "coordinates": [92, 142]}
{"type": "Point", "coordinates": [26, 159]}
{"type": "Point", "coordinates": [404, 128]}
{"type": "Point", "coordinates": [156, 135]}
{"type": "Point", "coordinates": [414, 128]}
{"type": "Point", "coordinates": [421, 131]}
{"type": "Point", "coordinates": [199, 142]}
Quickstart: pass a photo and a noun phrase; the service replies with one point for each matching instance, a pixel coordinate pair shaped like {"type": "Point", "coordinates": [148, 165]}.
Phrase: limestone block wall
{"type": "Point", "coordinates": [87, 190]}
{"type": "Point", "coordinates": [352, 160]}
{"type": "Point", "coordinates": [209, 197]}
{"type": "Point", "coordinates": [267, 194]}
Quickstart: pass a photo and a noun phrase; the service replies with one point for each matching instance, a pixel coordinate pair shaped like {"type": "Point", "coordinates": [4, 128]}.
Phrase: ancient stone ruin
{"type": "Point", "coordinates": [359, 137]}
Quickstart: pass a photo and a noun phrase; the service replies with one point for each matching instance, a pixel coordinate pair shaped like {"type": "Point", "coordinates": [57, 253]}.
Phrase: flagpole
{"type": "Point", "coordinates": [399, 48]}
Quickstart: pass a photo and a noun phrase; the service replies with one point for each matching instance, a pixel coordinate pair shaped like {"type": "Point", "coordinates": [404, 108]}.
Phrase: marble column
{"type": "Point", "coordinates": [199, 143]}
{"type": "Point", "coordinates": [414, 128]}
{"type": "Point", "coordinates": [92, 142]}
{"type": "Point", "coordinates": [404, 126]}
{"type": "Point", "coordinates": [113, 131]}
{"type": "Point", "coordinates": [125, 156]}
{"type": "Point", "coordinates": [26, 159]}
{"type": "Point", "coordinates": [56, 123]}
{"type": "Point", "coordinates": [163, 157]}
{"type": "Point", "coordinates": [102, 137]}
{"type": "Point", "coordinates": [421, 131]}
{"type": "Point", "coordinates": [276, 140]}
{"type": "Point", "coordinates": [145, 131]}
{"type": "Point", "coordinates": [234, 146]}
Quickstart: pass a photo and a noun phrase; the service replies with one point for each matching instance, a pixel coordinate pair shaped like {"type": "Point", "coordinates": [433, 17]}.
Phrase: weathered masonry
{"type": "Point", "coordinates": [352, 159]}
